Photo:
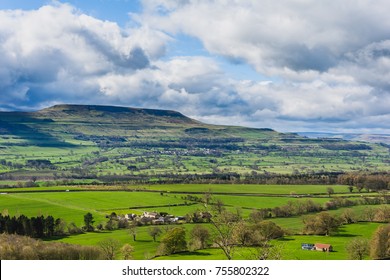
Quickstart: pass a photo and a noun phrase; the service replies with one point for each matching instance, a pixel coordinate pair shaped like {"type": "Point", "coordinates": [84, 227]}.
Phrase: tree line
{"type": "Point", "coordinates": [369, 182]}
{"type": "Point", "coordinates": [37, 227]}
{"type": "Point", "coordinates": [16, 247]}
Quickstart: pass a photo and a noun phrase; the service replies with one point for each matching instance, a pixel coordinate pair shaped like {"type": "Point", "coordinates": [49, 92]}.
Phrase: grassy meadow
{"type": "Point", "coordinates": [72, 203]}
{"type": "Point", "coordinates": [290, 246]}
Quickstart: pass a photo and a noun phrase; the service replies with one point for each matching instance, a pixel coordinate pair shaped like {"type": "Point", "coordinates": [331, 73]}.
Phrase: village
{"type": "Point", "coordinates": [154, 218]}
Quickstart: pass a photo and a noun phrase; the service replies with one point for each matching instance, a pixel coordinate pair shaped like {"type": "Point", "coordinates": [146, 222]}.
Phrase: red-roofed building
{"type": "Point", "coordinates": [323, 247]}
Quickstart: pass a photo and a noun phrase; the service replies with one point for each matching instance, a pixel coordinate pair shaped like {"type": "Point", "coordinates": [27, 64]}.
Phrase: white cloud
{"type": "Point", "coordinates": [328, 62]}
{"type": "Point", "coordinates": [331, 58]}
{"type": "Point", "coordinates": [59, 53]}
{"type": "Point", "coordinates": [272, 35]}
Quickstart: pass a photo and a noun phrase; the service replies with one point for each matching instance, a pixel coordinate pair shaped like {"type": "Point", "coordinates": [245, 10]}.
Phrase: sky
{"type": "Point", "coordinates": [290, 65]}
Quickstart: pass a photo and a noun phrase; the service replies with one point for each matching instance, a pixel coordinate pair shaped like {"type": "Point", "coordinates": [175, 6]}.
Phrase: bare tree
{"type": "Point", "coordinates": [225, 226]}
{"type": "Point", "coordinates": [133, 231]}
{"type": "Point", "coordinates": [199, 237]}
{"type": "Point", "coordinates": [348, 216]}
{"type": "Point", "coordinates": [330, 191]}
{"type": "Point", "coordinates": [322, 223]}
{"type": "Point", "coordinates": [109, 247]}
{"type": "Point", "coordinates": [358, 248]}
{"type": "Point", "coordinates": [243, 234]}
{"type": "Point", "coordinates": [154, 232]}
{"type": "Point", "coordinates": [127, 251]}
{"type": "Point", "coordinates": [219, 206]}
{"type": "Point", "coordinates": [380, 243]}
{"type": "Point", "coordinates": [267, 252]}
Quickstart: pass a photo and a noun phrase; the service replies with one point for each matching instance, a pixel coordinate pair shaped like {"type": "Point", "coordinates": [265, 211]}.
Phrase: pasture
{"type": "Point", "coordinates": [71, 203]}
{"type": "Point", "coordinates": [290, 246]}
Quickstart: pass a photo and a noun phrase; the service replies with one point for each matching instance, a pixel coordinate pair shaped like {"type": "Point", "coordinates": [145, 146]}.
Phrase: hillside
{"type": "Point", "coordinates": [372, 138]}
{"type": "Point", "coordinates": [100, 142]}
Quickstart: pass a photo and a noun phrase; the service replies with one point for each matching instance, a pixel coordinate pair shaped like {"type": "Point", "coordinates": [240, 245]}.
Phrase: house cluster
{"type": "Point", "coordinates": [155, 218]}
{"type": "Point", "coordinates": [317, 247]}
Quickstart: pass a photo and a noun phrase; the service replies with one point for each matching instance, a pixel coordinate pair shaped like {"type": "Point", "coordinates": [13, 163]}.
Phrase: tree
{"type": "Point", "coordinates": [37, 224]}
{"type": "Point", "coordinates": [154, 232]}
{"type": "Point", "coordinates": [225, 226]}
{"type": "Point", "coordinates": [199, 237]}
{"type": "Point", "coordinates": [380, 243]}
{"type": "Point", "coordinates": [109, 247]}
{"type": "Point", "coordinates": [73, 229]}
{"type": "Point", "coordinates": [133, 231]}
{"type": "Point", "coordinates": [243, 234]}
{"type": "Point", "coordinates": [207, 197]}
{"type": "Point", "coordinates": [369, 214]}
{"type": "Point", "coordinates": [329, 191]}
{"type": "Point", "coordinates": [219, 206]}
{"type": "Point", "coordinates": [267, 252]}
{"type": "Point", "coordinates": [348, 216]}
{"type": "Point", "coordinates": [49, 226]}
{"type": "Point", "coordinates": [127, 251]}
{"type": "Point", "coordinates": [382, 214]}
{"type": "Point", "coordinates": [111, 224]}
{"type": "Point", "coordinates": [322, 223]}
{"type": "Point", "coordinates": [88, 221]}
{"type": "Point", "coordinates": [173, 241]}
{"type": "Point", "coordinates": [357, 249]}
{"type": "Point", "coordinates": [59, 227]}
{"type": "Point", "coordinates": [258, 215]}
{"type": "Point", "coordinates": [268, 230]}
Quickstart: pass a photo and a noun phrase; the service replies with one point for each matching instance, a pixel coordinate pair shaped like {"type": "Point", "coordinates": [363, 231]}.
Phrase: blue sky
{"type": "Point", "coordinates": [113, 10]}
{"type": "Point", "coordinates": [290, 65]}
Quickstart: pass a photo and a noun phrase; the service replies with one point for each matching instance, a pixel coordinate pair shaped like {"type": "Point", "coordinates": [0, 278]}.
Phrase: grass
{"type": "Point", "coordinates": [248, 188]}
{"type": "Point", "coordinates": [144, 245]}
{"type": "Point", "coordinates": [290, 245]}
{"type": "Point", "coordinates": [295, 224]}
{"type": "Point", "coordinates": [261, 202]}
{"type": "Point", "coordinates": [72, 205]}
{"type": "Point", "coordinates": [17, 205]}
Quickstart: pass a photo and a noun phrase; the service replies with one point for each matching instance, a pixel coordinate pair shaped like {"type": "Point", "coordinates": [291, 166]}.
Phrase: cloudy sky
{"type": "Point", "coordinates": [291, 65]}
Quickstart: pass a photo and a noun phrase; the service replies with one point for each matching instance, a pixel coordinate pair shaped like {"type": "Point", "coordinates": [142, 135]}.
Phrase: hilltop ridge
{"type": "Point", "coordinates": [77, 109]}
{"type": "Point", "coordinates": [119, 112]}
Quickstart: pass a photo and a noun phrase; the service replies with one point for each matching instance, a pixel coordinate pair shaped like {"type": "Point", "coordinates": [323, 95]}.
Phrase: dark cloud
{"type": "Point", "coordinates": [135, 59]}
{"type": "Point", "coordinates": [301, 58]}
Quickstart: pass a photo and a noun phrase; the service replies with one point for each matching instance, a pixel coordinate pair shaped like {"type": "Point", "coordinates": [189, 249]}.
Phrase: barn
{"type": "Point", "coordinates": [323, 247]}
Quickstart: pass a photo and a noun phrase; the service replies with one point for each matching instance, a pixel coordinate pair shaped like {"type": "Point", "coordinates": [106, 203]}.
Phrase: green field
{"type": "Point", "coordinates": [72, 206]}
{"type": "Point", "coordinates": [71, 203]}
{"type": "Point", "coordinates": [250, 189]}
{"type": "Point", "coordinates": [290, 245]}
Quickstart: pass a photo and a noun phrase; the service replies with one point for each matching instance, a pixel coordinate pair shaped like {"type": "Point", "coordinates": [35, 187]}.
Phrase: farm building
{"type": "Point", "coordinates": [323, 247]}
{"type": "Point", "coordinates": [130, 216]}
{"type": "Point", "coordinates": [159, 221]}
{"type": "Point", "coordinates": [307, 246]}
{"type": "Point", "coordinates": [152, 215]}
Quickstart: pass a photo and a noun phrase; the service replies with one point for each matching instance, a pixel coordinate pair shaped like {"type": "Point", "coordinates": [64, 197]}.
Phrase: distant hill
{"type": "Point", "coordinates": [91, 141]}
{"type": "Point", "coordinates": [96, 113]}
{"type": "Point", "coordinates": [115, 111]}
{"type": "Point", "coordinates": [372, 138]}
